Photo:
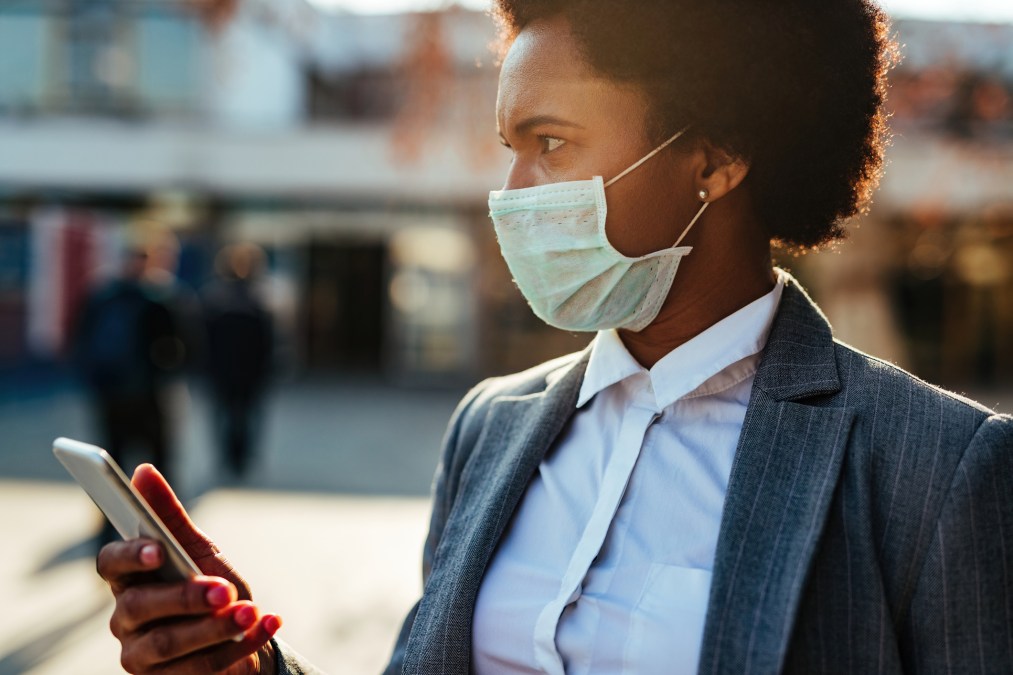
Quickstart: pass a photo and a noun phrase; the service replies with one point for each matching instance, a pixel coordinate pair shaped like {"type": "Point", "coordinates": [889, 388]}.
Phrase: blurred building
{"type": "Point", "coordinates": [927, 277]}
{"type": "Point", "coordinates": [105, 111]}
{"type": "Point", "coordinates": [358, 150]}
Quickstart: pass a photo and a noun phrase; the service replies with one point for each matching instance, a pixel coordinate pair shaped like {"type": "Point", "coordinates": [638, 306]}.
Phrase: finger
{"type": "Point", "coordinates": [121, 559]}
{"type": "Point", "coordinates": [159, 495]}
{"type": "Point", "coordinates": [163, 501]}
{"type": "Point", "coordinates": [184, 639]}
{"type": "Point", "coordinates": [242, 658]}
{"type": "Point", "coordinates": [137, 606]}
{"type": "Point", "coordinates": [222, 657]}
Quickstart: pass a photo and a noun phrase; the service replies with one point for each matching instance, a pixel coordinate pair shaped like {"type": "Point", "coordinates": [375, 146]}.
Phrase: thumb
{"type": "Point", "coordinates": [163, 501]}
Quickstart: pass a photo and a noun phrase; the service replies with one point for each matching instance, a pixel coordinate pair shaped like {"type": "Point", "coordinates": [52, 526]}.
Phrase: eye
{"type": "Point", "coordinates": [550, 143]}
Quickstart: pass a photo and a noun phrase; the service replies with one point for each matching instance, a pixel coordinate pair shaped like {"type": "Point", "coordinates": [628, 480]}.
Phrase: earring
{"type": "Point", "coordinates": [703, 194]}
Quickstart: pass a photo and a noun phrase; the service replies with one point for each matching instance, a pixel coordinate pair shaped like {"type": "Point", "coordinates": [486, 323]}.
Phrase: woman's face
{"type": "Point", "coordinates": [564, 122]}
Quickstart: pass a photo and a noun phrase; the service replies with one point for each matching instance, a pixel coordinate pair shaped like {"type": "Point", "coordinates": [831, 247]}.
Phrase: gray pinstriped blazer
{"type": "Point", "coordinates": [868, 525]}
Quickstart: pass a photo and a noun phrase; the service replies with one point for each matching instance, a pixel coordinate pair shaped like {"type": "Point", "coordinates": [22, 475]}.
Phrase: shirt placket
{"type": "Point", "coordinates": [615, 479]}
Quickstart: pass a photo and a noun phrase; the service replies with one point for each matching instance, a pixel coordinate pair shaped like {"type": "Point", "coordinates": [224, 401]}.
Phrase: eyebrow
{"type": "Point", "coordinates": [538, 120]}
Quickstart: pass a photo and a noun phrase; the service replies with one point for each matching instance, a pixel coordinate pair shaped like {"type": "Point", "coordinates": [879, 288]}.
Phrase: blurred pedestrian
{"type": "Point", "coordinates": [163, 284]}
{"type": "Point", "coordinates": [239, 350]}
{"type": "Point", "coordinates": [126, 347]}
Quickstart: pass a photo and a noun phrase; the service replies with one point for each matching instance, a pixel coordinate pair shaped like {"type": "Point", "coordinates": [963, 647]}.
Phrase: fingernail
{"type": "Point", "coordinates": [150, 555]}
{"type": "Point", "coordinates": [272, 623]}
{"type": "Point", "coordinates": [245, 616]}
{"type": "Point", "coordinates": [218, 596]}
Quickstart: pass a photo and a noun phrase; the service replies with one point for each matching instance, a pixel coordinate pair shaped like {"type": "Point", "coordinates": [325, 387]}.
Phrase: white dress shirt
{"type": "Point", "coordinates": [606, 566]}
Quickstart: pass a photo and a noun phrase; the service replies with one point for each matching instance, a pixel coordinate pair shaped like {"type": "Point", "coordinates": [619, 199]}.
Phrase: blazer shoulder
{"type": "Point", "coordinates": [906, 446]}
{"type": "Point", "coordinates": [469, 417]}
{"type": "Point", "coordinates": [864, 376]}
{"type": "Point", "coordinates": [534, 380]}
{"type": "Point", "coordinates": [904, 425]}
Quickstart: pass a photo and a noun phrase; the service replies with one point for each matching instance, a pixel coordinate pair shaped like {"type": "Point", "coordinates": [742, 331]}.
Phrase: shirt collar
{"type": "Point", "coordinates": [687, 368]}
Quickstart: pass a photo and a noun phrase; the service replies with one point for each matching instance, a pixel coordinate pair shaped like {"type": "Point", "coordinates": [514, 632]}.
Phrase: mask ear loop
{"type": "Point", "coordinates": [652, 153]}
{"type": "Point", "coordinates": [691, 223]}
{"type": "Point", "coordinates": [646, 157]}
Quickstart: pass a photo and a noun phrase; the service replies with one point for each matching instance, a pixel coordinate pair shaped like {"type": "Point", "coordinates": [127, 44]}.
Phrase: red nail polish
{"type": "Point", "coordinates": [218, 596]}
{"type": "Point", "coordinates": [244, 616]}
{"type": "Point", "coordinates": [150, 555]}
{"type": "Point", "coordinates": [272, 624]}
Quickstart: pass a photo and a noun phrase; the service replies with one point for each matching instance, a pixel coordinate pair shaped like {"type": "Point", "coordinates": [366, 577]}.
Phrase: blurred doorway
{"type": "Point", "coordinates": [346, 305]}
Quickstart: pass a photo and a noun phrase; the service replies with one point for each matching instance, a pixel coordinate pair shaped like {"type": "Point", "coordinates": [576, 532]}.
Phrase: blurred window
{"type": "Point", "coordinates": [106, 57]}
{"type": "Point", "coordinates": [23, 35]}
{"type": "Point", "coordinates": [956, 101]}
{"type": "Point", "coordinates": [366, 94]}
{"type": "Point", "coordinates": [91, 31]}
{"type": "Point", "coordinates": [13, 276]}
{"type": "Point", "coordinates": [13, 257]}
{"type": "Point", "coordinates": [168, 55]}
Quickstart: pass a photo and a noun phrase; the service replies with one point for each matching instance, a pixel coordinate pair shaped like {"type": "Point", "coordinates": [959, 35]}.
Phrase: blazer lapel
{"type": "Point", "coordinates": [517, 433]}
{"type": "Point", "coordinates": [782, 481]}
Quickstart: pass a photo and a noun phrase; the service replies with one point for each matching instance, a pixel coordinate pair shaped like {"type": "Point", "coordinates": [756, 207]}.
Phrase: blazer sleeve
{"type": "Point", "coordinates": [456, 446]}
{"type": "Point", "coordinates": [961, 614]}
{"type": "Point", "coordinates": [290, 662]}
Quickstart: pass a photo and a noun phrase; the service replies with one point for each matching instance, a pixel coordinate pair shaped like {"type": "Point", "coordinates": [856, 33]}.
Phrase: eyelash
{"type": "Point", "coordinates": [544, 140]}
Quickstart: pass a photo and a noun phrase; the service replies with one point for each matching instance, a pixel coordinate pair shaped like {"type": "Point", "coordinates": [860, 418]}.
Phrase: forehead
{"type": "Point", "coordinates": [546, 46]}
{"type": "Point", "coordinates": [544, 64]}
{"type": "Point", "coordinates": [546, 73]}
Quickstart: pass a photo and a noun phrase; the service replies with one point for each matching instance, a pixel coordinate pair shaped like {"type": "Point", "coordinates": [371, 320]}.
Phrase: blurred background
{"type": "Point", "coordinates": [288, 198]}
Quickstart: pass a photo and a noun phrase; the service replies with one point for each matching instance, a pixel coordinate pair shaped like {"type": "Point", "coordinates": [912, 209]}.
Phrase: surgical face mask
{"type": "Point", "coordinates": [554, 242]}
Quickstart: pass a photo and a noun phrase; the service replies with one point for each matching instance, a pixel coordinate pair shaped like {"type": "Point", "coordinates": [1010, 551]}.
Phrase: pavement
{"type": "Point", "coordinates": [328, 530]}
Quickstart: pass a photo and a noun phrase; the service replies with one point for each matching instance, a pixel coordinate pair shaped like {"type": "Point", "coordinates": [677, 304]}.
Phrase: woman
{"type": "Point", "coordinates": [714, 485]}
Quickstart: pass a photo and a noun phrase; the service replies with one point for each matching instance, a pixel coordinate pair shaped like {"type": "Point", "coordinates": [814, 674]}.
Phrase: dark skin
{"type": "Point", "coordinates": [186, 627]}
{"type": "Point", "coordinates": [562, 122]}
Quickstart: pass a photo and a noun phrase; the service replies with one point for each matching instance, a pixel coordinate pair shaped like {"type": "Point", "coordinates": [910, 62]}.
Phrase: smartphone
{"type": "Point", "coordinates": [123, 505]}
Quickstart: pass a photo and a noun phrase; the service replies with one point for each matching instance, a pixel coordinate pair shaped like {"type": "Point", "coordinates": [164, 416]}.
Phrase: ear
{"type": "Point", "coordinates": [717, 171]}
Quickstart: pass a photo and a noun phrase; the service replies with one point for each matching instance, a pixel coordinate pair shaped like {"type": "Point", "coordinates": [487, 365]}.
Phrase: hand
{"type": "Point", "coordinates": [205, 625]}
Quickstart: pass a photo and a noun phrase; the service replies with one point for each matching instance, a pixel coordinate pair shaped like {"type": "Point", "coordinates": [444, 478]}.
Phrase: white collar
{"type": "Point", "coordinates": [731, 348]}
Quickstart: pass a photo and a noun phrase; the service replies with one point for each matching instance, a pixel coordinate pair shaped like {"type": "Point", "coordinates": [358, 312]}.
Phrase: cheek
{"type": "Point", "coordinates": [561, 165]}
{"type": "Point", "coordinates": [527, 169]}
{"type": "Point", "coordinates": [645, 216]}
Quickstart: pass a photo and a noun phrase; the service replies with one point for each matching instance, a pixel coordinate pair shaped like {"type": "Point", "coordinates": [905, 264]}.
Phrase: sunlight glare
{"type": "Point", "coordinates": [953, 10]}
